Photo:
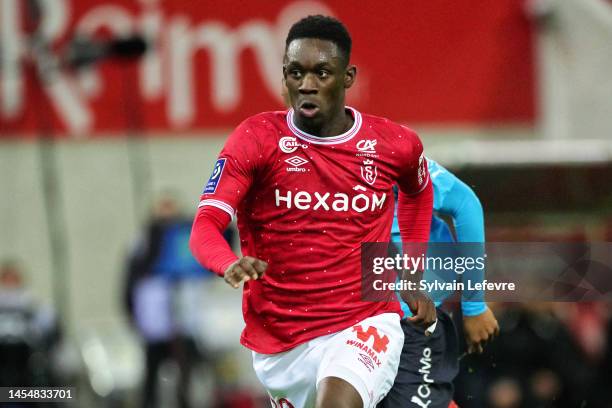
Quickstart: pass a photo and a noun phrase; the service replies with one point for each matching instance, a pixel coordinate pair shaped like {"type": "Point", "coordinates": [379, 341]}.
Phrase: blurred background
{"type": "Point", "coordinates": [112, 113]}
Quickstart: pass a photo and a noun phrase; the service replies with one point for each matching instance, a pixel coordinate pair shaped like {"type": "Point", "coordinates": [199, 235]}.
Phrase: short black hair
{"type": "Point", "coordinates": [323, 28]}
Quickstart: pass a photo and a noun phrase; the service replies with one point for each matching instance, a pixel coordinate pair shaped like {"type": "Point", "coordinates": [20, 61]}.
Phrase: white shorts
{"type": "Point", "coordinates": [365, 355]}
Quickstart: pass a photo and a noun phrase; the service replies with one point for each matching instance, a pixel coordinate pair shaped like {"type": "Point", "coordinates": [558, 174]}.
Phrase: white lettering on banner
{"type": "Point", "coordinates": [61, 90]}
{"type": "Point", "coordinates": [302, 200]}
{"type": "Point", "coordinates": [11, 46]}
{"type": "Point", "coordinates": [168, 68]}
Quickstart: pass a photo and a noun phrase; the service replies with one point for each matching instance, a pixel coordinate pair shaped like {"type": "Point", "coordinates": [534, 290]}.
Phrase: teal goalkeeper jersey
{"type": "Point", "coordinates": [454, 198]}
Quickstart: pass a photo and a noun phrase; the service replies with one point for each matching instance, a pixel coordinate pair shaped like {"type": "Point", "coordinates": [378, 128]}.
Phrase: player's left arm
{"type": "Point", "coordinates": [414, 210]}
{"type": "Point", "coordinates": [461, 203]}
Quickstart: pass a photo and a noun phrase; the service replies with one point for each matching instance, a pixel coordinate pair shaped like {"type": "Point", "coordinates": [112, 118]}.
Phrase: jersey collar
{"type": "Point", "coordinates": [331, 140]}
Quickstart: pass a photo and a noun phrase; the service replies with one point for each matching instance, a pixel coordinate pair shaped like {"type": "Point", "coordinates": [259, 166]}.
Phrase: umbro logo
{"type": "Point", "coordinates": [367, 361]}
{"type": "Point", "coordinates": [296, 162]}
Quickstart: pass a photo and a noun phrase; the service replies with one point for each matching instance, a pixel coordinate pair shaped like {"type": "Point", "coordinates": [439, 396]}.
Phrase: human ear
{"type": "Point", "coordinates": [349, 76]}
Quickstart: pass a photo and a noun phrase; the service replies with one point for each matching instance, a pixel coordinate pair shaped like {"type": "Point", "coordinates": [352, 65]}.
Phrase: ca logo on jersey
{"type": "Point", "coordinates": [367, 146]}
{"type": "Point", "coordinates": [213, 181]}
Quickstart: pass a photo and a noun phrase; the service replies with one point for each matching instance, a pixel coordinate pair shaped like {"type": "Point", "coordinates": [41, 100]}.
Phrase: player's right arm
{"type": "Point", "coordinates": [414, 210]}
{"type": "Point", "coordinates": [228, 185]}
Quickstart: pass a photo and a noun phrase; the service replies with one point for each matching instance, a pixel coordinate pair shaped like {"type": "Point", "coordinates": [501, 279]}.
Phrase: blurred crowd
{"type": "Point", "coordinates": [164, 298]}
{"type": "Point", "coordinates": [29, 333]}
{"type": "Point", "coordinates": [547, 355]}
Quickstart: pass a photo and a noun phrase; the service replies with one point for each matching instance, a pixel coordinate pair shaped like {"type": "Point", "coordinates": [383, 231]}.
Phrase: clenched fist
{"type": "Point", "coordinates": [423, 310]}
{"type": "Point", "coordinates": [479, 330]}
{"type": "Point", "coordinates": [244, 269]}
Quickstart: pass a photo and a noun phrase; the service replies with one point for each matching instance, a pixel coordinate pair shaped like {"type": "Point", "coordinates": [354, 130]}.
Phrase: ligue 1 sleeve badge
{"type": "Point", "coordinates": [213, 182]}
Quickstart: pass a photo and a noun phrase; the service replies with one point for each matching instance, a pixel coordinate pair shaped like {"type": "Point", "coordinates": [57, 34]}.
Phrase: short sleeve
{"type": "Point", "coordinates": [234, 170]}
{"type": "Point", "coordinates": [413, 175]}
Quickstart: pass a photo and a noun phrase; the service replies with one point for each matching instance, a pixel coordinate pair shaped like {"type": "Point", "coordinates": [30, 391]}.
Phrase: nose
{"type": "Point", "coordinates": [309, 84]}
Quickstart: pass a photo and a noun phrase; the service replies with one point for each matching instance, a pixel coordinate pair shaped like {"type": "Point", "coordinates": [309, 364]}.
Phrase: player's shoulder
{"type": "Point", "coordinates": [263, 128]}
{"type": "Point", "coordinates": [265, 120]}
{"type": "Point", "coordinates": [439, 174]}
{"type": "Point", "coordinates": [387, 126]}
{"type": "Point", "coordinates": [433, 165]}
{"type": "Point", "coordinates": [400, 140]}
{"type": "Point", "coordinates": [446, 182]}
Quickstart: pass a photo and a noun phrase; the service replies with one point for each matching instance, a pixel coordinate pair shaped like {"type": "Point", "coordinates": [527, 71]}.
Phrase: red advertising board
{"type": "Point", "coordinates": [212, 63]}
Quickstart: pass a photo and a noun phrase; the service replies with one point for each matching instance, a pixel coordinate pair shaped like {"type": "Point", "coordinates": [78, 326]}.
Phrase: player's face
{"type": "Point", "coordinates": [316, 78]}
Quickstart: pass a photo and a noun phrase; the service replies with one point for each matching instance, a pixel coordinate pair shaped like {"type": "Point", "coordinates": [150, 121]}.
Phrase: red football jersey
{"type": "Point", "coordinates": [304, 205]}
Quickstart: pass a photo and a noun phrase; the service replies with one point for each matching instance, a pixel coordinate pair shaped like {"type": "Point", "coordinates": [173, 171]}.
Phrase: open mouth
{"type": "Point", "coordinates": [308, 109]}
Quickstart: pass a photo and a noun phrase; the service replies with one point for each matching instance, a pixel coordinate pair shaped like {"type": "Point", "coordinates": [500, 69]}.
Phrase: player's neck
{"type": "Point", "coordinates": [337, 125]}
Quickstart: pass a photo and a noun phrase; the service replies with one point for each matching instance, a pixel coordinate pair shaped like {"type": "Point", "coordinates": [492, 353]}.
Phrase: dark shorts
{"type": "Point", "coordinates": [428, 366]}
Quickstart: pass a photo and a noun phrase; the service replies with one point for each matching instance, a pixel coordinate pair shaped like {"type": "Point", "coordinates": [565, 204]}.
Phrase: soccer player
{"type": "Point", "coordinates": [429, 364]}
{"type": "Point", "coordinates": [309, 186]}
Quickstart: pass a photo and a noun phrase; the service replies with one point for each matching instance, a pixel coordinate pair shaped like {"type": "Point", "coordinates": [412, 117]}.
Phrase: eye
{"type": "Point", "coordinates": [323, 73]}
{"type": "Point", "coordinates": [295, 73]}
